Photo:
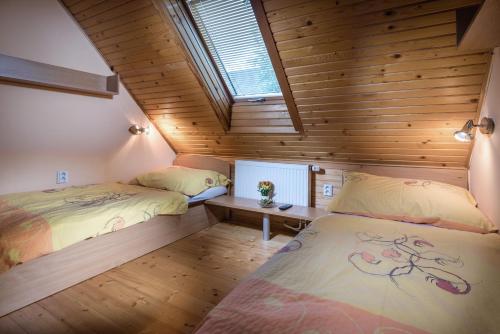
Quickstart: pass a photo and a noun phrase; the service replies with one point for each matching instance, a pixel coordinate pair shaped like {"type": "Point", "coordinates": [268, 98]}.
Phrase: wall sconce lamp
{"type": "Point", "coordinates": [137, 130]}
{"type": "Point", "coordinates": [486, 126]}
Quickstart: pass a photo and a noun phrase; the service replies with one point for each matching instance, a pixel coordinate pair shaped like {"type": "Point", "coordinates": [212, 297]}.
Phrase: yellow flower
{"type": "Point", "coordinates": [265, 188]}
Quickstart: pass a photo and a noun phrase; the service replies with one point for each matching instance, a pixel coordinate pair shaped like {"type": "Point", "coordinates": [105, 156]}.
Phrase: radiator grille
{"type": "Point", "coordinates": [291, 181]}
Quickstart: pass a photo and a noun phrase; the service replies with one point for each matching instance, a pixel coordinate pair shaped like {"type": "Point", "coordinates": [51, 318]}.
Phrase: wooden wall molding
{"type": "Point", "coordinates": [35, 73]}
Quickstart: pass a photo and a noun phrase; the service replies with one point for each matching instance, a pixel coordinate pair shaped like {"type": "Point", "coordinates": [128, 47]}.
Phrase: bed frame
{"type": "Point", "coordinates": [46, 275]}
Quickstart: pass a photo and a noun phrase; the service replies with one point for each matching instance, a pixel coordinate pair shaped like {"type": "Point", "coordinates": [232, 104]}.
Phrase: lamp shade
{"type": "Point", "coordinates": [465, 134]}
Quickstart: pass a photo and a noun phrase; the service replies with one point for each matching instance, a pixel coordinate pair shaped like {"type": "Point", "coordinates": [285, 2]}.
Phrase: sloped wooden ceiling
{"type": "Point", "coordinates": [374, 81]}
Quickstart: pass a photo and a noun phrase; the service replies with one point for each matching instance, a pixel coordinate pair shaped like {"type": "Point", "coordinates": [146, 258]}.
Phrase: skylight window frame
{"type": "Point", "coordinates": [216, 87]}
{"type": "Point", "coordinates": [254, 98]}
{"type": "Point", "coordinates": [236, 98]}
{"type": "Point", "coordinates": [207, 50]}
{"type": "Point", "coordinates": [279, 70]}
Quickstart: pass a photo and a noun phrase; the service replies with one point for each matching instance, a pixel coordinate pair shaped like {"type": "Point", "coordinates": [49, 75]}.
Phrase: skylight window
{"type": "Point", "coordinates": [233, 38]}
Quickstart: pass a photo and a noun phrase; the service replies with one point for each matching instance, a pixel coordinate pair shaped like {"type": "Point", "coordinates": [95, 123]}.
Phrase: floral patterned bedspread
{"type": "Point", "coordinates": [351, 274]}
{"type": "Point", "coordinates": [36, 223]}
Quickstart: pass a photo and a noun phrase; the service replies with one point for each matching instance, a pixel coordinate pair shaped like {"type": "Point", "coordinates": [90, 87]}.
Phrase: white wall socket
{"type": "Point", "coordinates": [328, 190]}
{"type": "Point", "coordinates": [316, 168]}
{"type": "Point", "coordinates": [62, 177]}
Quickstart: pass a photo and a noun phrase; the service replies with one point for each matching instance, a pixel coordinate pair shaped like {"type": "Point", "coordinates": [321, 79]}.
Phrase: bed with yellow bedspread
{"type": "Point", "coordinates": [33, 224]}
{"type": "Point", "coordinates": [351, 274]}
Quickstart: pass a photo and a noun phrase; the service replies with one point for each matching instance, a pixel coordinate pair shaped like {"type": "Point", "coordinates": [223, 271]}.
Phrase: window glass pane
{"type": "Point", "coordinates": [232, 35]}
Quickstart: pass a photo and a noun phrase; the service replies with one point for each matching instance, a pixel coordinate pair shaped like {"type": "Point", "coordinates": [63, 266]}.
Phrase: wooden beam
{"type": "Point", "coordinates": [267, 35]}
{"type": "Point", "coordinates": [482, 27]}
{"type": "Point", "coordinates": [39, 74]}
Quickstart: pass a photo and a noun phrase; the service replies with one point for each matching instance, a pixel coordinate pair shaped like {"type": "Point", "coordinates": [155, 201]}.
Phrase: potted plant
{"type": "Point", "coordinates": [266, 190]}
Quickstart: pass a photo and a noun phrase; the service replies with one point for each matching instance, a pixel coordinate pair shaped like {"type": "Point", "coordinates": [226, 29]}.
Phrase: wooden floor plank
{"type": "Point", "coordinates": [7, 325]}
{"type": "Point", "coordinates": [167, 291]}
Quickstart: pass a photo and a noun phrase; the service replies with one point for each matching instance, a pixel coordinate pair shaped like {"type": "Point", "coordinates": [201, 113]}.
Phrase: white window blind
{"type": "Point", "coordinates": [232, 35]}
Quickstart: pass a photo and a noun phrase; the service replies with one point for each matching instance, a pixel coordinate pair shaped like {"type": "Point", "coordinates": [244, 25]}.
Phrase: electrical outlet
{"type": "Point", "coordinates": [62, 177]}
{"type": "Point", "coordinates": [327, 190]}
{"type": "Point", "coordinates": [316, 168]}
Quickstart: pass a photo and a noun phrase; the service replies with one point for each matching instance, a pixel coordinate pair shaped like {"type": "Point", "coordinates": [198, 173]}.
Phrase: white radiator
{"type": "Point", "coordinates": [291, 181]}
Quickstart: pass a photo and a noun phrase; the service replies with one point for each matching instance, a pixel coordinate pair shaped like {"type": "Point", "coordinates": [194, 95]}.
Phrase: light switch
{"type": "Point", "coordinates": [62, 177]}
{"type": "Point", "coordinates": [327, 190]}
{"type": "Point", "coordinates": [316, 168]}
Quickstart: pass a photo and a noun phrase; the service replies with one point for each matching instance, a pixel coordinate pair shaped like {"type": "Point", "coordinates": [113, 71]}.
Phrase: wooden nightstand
{"type": "Point", "coordinates": [248, 204]}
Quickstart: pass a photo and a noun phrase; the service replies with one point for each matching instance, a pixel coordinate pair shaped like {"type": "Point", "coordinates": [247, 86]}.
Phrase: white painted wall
{"type": "Point", "coordinates": [42, 131]}
{"type": "Point", "coordinates": [484, 173]}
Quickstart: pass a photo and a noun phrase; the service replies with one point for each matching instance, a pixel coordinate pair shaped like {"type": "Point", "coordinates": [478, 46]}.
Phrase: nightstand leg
{"type": "Point", "coordinates": [266, 227]}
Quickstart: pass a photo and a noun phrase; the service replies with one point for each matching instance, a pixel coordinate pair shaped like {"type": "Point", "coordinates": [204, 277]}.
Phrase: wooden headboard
{"type": "Point", "coordinates": [332, 173]}
{"type": "Point", "coordinates": [203, 162]}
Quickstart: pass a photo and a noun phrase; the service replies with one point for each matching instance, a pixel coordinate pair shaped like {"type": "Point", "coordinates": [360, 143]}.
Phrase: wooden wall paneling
{"type": "Point", "coordinates": [298, 15]}
{"type": "Point", "coordinates": [324, 103]}
{"type": "Point", "coordinates": [108, 10]}
{"type": "Point", "coordinates": [270, 116]}
{"type": "Point", "coordinates": [374, 82]}
{"type": "Point", "coordinates": [267, 35]}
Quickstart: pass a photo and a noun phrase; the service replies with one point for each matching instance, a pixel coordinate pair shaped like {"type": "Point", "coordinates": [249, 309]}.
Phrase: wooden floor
{"type": "Point", "coordinates": [167, 291]}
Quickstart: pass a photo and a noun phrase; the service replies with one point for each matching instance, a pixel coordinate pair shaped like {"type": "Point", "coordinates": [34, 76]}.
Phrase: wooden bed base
{"type": "Point", "coordinates": [46, 275]}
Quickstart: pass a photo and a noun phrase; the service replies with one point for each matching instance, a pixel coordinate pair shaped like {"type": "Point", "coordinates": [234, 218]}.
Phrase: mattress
{"type": "Point", "coordinates": [351, 274]}
{"type": "Point", "coordinates": [37, 223]}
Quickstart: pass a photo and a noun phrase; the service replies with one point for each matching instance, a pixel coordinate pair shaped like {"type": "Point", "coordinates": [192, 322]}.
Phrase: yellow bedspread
{"type": "Point", "coordinates": [37, 223]}
{"type": "Point", "coordinates": [350, 274]}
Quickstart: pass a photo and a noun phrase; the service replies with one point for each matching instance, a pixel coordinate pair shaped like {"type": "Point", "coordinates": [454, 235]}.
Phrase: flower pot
{"type": "Point", "coordinates": [266, 202]}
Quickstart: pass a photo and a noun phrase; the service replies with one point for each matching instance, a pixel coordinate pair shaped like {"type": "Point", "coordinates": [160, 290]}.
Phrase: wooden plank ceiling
{"type": "Point", "coordinates": [374, 81]}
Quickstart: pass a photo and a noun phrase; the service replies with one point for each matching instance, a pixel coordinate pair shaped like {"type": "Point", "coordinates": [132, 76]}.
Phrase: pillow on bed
{"type": "Point", "coordinates": [188, 181]}
{"type": "Point", "coordinates": [414, 201]}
